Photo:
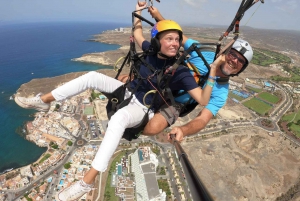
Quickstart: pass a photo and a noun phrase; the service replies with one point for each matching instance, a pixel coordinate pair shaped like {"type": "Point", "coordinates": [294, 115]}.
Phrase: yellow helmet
{"type": "Point", "coordinates": [165, 25]}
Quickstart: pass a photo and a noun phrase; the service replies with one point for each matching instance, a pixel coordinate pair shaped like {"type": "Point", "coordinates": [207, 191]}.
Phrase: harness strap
{"type": "Point", "coordinates": [123, 64]}
{"type": "Point", "coordinates": [222, 80]}
{"type": "Point", "coordinates": [147, 64]}
{"type": "Point", "coordinates": [168, 90]}
{"type": "Point", "coordinates": [201, 55]}
{"type": "Point", "coordinates": [135, 132]}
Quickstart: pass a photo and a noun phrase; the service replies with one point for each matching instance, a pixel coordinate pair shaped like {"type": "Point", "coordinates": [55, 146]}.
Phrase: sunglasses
{"type": "Point", "coordinates": [233, 55]}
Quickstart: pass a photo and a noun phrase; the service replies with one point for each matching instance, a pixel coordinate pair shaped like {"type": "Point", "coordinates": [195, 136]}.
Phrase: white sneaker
{"type": "Point", "coordinates": [73, 192]}
{"type": "Point", "coordinates": [32, 103]}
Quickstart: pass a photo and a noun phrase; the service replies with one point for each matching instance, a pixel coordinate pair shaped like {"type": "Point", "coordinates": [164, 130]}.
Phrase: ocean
{"type": "Point", "coordinates": [38, 50]}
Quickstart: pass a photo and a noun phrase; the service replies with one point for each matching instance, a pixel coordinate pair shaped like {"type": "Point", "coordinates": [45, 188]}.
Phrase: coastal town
{"type": "Point", "coordinates": [149, 168]}
{"type": "Point", "coordinates": [72, 131]}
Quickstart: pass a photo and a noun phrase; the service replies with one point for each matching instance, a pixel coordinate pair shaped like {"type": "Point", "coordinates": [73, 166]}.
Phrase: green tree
{"type": "Point", "coordinates": [70, 143]}
{"type": "Point", "coordinates": [107, 195]}
{"type": "Point", "coordinates": [94, 95]}
{"type": "Point", "coordinates": [54, 146]}
{"type": "Point", "coordinates": [67, 165]}
{"type": "Point", "coordinates": [57, 106]}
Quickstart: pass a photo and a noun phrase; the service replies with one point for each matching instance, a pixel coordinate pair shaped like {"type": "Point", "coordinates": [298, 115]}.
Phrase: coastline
{"type": "Point", "coordinates": [107, 58]}
{"type": "Point", "coordinates": [12, 170]}
{"type": "Point", "coordinates": [207, 153]}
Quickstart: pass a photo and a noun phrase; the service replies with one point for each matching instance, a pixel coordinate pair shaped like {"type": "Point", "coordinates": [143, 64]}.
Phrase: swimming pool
{"type": "Point", "coordinates": [141, 155]}
{"type": "Point", "coordinates": [119, 169]}
{"type": "Point", "coordinates": [49, 179]}
{"type": "Point", "coordinates": [61, 182]}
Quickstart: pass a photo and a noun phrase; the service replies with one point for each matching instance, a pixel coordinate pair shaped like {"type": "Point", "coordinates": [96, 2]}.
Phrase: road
{"type": "Point", "coordinates": [15, 194]}
{"type": "Point", "coordinates": [276, 114]}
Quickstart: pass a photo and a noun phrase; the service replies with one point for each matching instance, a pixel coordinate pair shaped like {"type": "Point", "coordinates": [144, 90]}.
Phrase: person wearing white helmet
{"type": "Point", "coordinates": [244, 48]}
{"type": "Point", "coordinates": [237, 59]}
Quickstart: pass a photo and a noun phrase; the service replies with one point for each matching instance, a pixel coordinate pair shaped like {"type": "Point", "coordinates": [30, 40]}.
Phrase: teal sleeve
{"type": "Point", "coordinates": [218, 98]}
{"type": "Point", "coordinates": [196, 60]}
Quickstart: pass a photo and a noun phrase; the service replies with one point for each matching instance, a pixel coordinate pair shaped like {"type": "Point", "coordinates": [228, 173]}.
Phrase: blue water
{"type": "Point", "coordinates": [141, 155]}
{"type": "Point", "coordinates": [61, 182]}
{"type": "Point", "coordinates": [38, 50]}
{"type": "Point", "coordinates": [49, 180]}
{"type": "Point", "coordinates": [119, 170]}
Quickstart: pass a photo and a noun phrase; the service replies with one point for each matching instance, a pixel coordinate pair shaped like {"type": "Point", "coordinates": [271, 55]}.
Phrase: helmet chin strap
{"type": "Point", "coordinates": [164, 56]}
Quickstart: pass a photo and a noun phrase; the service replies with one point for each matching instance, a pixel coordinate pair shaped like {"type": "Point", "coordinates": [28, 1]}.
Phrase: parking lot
{"type": "Point", "coordinates": [94, 129]}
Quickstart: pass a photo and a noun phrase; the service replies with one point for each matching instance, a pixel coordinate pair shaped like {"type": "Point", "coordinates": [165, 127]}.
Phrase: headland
{"type": "Point", "coordinates": [240, 173]}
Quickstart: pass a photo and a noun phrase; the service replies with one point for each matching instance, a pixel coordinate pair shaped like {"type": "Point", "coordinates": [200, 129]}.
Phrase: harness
{"type": "Point", "coordinates": [116, 99]}
{"type": "Point", "coordinates": [190, 105]}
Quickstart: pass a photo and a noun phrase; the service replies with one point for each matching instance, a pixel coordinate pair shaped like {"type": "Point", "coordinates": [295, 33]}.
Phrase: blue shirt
{"type": "Point", "coordinates": [182, 78]}
{"type": "Point", "coordinates": [220, 91]}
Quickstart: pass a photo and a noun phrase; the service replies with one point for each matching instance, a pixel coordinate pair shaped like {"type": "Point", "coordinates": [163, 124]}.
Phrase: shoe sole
{"type": "Point", "coordinates": [57, 194]}
{"type": "Point", "coordinates": [21, 104]}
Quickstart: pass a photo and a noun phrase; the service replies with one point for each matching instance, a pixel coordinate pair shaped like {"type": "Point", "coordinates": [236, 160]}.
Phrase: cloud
{"type": "Point", "coordinates": [214, 15]}
{"type": "Point", "coordinates": [292, 4]}
{"type": "Point", "coordinates": [196, 3]}
{"type": "Point", "coordinates": [286, 6]}
{"type": "Point", "coordinates": [235, 1]}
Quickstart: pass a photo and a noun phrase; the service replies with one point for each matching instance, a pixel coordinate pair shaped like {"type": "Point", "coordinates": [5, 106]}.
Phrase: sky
{"type": "Point", "coordinates": [273, 14]}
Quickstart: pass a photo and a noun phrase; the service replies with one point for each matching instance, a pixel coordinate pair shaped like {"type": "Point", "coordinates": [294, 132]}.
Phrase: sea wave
{"type": "Point", "coordinates": [5, 171]}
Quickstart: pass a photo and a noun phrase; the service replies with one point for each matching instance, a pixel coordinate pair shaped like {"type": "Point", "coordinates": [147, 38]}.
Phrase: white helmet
{"type": "Point", "coordinates": [244, 48]}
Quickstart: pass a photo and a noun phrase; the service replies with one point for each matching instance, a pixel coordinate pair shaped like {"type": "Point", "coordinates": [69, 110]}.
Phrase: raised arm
{"type": "Point", "coordinates": [138, 29]}
{"type": "Point", "coordinates": [202, 96]}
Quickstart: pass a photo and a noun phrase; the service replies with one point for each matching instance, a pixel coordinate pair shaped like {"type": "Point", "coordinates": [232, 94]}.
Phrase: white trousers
{"type": "Point", "coordinates": [126, 117]}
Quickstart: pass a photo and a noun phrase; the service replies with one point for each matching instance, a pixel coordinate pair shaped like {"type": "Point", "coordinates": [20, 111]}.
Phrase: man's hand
{"type": "Point", "coordinates": [155, 13]}
{"type": "Point", "coordinates": [140, 5]}
{"type": "Point", "coordinates": [220, 60]}
{"type": "Point", "coordinates": [178, 132]}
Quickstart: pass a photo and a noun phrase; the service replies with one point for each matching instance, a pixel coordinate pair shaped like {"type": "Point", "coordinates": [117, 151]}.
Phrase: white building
{"type": "Point", "coordinates": [144, 164]}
